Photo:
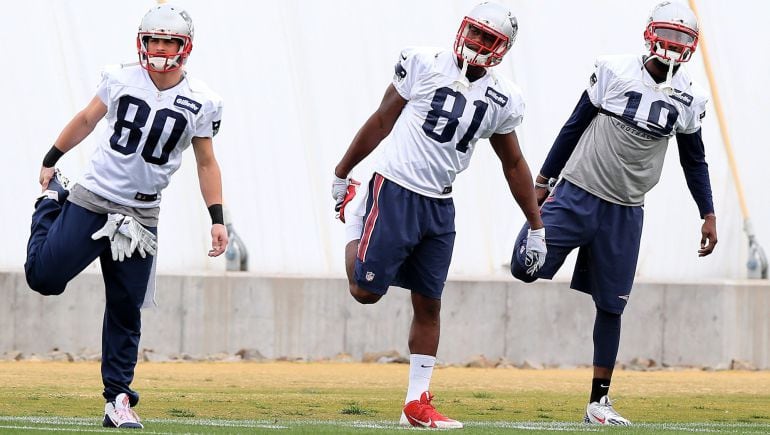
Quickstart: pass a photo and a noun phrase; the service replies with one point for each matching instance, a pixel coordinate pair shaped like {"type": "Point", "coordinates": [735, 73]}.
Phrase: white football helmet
{"type": "Point", "coordinates": [495, 21]}
{"type": "Point", "coordinates": [165, 22]}
{"type": "Point", "coordinates": [672, 33]}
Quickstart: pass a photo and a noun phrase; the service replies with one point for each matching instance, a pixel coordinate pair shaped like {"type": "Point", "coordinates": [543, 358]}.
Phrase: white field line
{"type": "Point", "coordinates": [59, 423]}
{"type": "Point", "coordinates": [69, 429]}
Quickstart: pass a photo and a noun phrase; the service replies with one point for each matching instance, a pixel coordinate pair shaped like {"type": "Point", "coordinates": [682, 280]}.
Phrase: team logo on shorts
{"type": "Point", "coordinates": [369, 276]}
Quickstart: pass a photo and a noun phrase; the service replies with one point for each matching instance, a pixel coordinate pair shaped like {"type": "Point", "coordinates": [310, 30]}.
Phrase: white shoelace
{"type": "Point", "coordinates": [610, 410]}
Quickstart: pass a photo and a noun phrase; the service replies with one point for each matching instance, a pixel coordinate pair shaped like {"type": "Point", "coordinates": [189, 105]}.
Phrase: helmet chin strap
{"type": "Point", "coordinates": [461, 79]}
{"type": "Point", "coordinates": [666, 87]}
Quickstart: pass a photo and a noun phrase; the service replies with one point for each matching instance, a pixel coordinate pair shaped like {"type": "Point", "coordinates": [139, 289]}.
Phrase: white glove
{"type": "Point", "coordinates": [339, 190]}
{"type": "Point", "coordinates": [536, 250]}
{"type": "Point", "coordinates": [119, 243]}
{"type": "Point", "coordinates": [120, 247]}
{"type": "Point", "coordinates": [126, 235]}
{"type": "Point", "coordinates": [109, 228]}
{"type": "Point", "coordinates": [141, 238]}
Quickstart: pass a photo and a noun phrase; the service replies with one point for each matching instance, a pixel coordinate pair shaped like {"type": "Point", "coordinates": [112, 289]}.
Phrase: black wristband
{"type": "Point", "coordinates": [217, 214]}
{"type": "Point", "coordinates": [53, 156]}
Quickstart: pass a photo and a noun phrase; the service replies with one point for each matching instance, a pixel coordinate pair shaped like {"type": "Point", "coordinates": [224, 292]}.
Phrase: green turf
{"type": "Point", "coordinates": [360, 398]}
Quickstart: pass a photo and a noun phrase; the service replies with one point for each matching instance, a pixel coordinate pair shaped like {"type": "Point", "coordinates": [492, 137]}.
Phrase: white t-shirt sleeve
{"type": "Point", "coordinates": [698, 113]}
{"type": "Point", "coordinates": [103, 89]}
{"type": "Point", "coordinates": [513, 116]}
{"type": "Point", "coordinates": [599, 82]}
{"type": "Point", "coordinates": [411, 63]}
{"type": "Point", "coordinates": [208, 124]}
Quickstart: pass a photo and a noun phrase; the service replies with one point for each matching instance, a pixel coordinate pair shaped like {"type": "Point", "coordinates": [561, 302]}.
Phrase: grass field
{"type": "Point", "coordinates": [364, 398]}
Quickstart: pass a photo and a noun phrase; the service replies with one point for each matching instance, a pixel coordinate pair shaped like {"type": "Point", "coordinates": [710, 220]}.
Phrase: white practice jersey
{"type": "Point", "coordinates": [436, 133]}
{"type": "Point", "coordinates": [147, 130]}
{"type": "Point", "coordinates": [620, 155]}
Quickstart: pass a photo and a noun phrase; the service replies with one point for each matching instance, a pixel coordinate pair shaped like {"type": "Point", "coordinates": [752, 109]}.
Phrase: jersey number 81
{"type": "Point", "coordinates": [452, 118]}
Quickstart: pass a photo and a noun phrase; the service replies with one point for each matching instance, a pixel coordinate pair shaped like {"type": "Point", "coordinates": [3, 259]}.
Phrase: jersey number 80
{"type": "Point", "coordinates": [135, 125]}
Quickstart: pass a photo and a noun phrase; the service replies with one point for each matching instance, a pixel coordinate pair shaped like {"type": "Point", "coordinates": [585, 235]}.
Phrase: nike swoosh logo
{"type": "Point", "coordinates": [424, 366]}
{"type": "Point", "coordinates": [599, 419]}
{"type": "Point", "coordinates": [426, 424]}
{"type": "Point", "coordinates": [604, 386]}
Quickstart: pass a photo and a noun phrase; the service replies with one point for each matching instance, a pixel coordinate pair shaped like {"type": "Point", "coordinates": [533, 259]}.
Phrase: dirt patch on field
{"type": "Point", "coordinates": [357, 375]}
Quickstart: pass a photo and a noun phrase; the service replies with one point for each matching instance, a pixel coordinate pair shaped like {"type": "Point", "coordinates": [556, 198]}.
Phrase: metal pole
{"type": "Point", "coordinates": [757, 260]}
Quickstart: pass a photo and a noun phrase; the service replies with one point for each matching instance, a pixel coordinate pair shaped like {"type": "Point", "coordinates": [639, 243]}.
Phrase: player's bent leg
{"type": "Point", "coordinates": [570, 221]}
{"type": "Point", "coordinates": [47, 210]}
{"type": "Point", "coordinates": [361, 295]}
{"type": "Point", "coordinates": [363, 287]}
{"type": "Point", "coordinates": [60, 245]}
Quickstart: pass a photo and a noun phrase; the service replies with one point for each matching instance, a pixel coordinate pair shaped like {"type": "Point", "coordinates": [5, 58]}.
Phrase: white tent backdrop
{"type": "Point", "coordinates": [299, 77]}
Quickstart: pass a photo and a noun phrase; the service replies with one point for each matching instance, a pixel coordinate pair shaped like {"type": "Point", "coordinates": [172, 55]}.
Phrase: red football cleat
{"type": "Point", "coordinates": [421, 413]}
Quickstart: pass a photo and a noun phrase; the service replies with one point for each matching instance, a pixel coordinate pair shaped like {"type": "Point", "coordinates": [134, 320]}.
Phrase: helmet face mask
{"type": "Point", "coordinates": [164, 22]}
{"type": "Point", "coordinates": [672, 33]}
{"type": "Point", "coordinates": [485, 35]}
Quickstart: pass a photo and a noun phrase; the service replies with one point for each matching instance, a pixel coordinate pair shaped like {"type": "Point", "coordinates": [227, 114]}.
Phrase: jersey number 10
{"type": "Point", "coordinates": [653, 118]}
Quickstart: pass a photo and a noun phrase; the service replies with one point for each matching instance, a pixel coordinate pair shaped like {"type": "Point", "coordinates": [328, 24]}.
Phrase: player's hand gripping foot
{"type": "Point", "coordinates": [119, 414]}
{"type": "Point", "coordinates": [602, 412]}
{"type": "Point", "coordinates": [343, 191]}
{"type": "Point", "coordinates": [55, 185]}
{"type": "Point", "coordinates": [421, 413]}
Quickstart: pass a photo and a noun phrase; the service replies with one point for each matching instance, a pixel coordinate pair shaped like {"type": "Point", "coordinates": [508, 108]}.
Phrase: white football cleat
{"type": "Point", "coordinates": [119, 414]}
{"type": "Point", "coordinates": [602, 412]}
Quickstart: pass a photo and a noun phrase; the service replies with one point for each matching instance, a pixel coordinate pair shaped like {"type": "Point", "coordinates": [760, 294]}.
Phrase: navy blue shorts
{"type": "Point", "coordinates": [607, 234]}
{"type": "Point", "coordinates": [407, 240]}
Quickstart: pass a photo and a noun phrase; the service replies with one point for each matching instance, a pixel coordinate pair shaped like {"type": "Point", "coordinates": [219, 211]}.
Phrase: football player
{"type": "Point", "coordinates": [608, 155]}
{"type": "Point", "coordinates": [154, 111]}
{"type": "Point", "coordinates": [439, 104]}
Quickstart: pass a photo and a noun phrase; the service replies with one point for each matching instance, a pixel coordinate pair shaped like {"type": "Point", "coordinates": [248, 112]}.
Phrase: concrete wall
{"type": "Point", "coordinates": [705, 324]}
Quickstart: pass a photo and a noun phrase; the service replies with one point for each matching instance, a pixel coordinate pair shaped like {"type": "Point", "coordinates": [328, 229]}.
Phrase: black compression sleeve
{"type": "Point", "coordinates": [217, 214]}
{"type": "Point", "coordinates": [52, 156]}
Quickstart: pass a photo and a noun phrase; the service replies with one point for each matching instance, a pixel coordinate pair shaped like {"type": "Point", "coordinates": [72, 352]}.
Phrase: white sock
{"type": "Point", "coordinates": [420, 371]}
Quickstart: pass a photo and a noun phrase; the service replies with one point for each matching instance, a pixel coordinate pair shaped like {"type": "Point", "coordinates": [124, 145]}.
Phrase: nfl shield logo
{"type": "Point", "coordinates": [370, 276]}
